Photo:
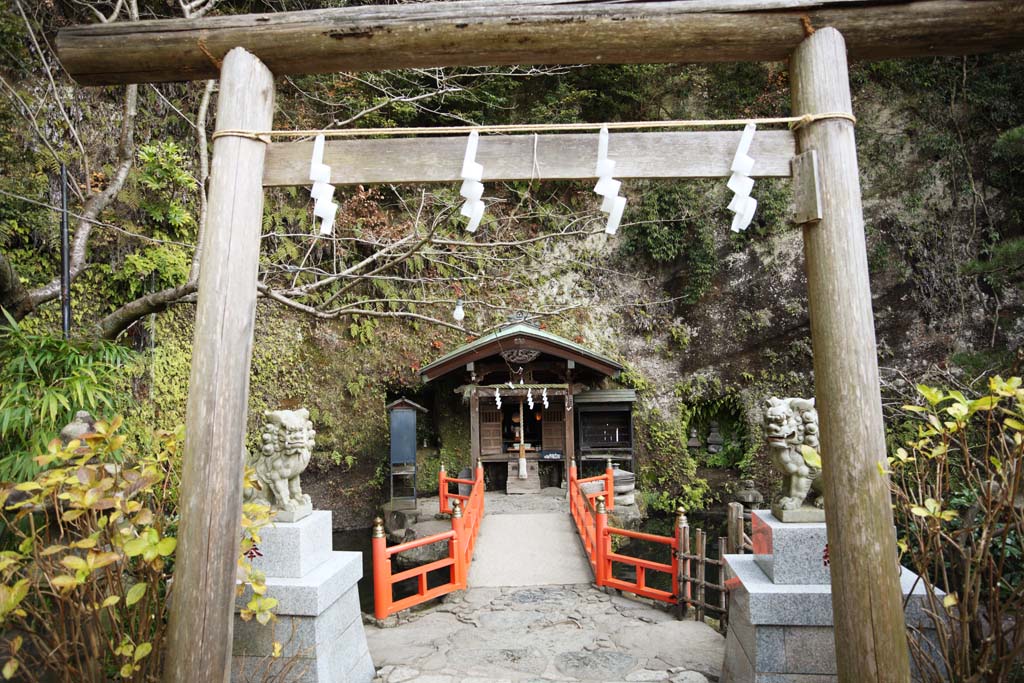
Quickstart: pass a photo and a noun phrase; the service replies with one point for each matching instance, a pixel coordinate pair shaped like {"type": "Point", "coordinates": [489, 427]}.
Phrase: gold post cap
{"type": "Point", "coordinates": [378, 527]}
{"type": "Point", "coordinates": [600, 505]}
{"type": "Point", "coordinates": [456, 509]}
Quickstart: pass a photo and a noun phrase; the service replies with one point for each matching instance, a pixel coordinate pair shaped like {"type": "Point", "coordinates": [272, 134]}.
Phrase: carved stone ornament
{"type": "Point", "coordinates": [789, 424]}
{"type": "Point", "coordinates": [287, 444]}
{"type": "Point", "coordinates": [520, 356]}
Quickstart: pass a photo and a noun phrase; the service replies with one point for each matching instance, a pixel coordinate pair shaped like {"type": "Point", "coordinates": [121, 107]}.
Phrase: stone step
{"type": "Point", "coordinates": [516, 485]}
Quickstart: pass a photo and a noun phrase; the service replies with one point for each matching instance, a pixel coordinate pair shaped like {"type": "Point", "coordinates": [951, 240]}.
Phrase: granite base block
{"type": "Point", "coordinates": [788, 552]}
{"type": "Point", "coordinates": [313, 593]}
{"type": "Point", "coordinates": [294, 549]}
{"type": "Point", "coordinates": [319, 624]}
{"type": "Point", "coordinates": [782, 633]}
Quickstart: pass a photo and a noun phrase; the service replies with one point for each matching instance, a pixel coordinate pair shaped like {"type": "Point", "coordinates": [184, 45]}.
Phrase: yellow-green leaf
{"type": "Point", "coordinates": [126, 671]}
{"type": "Point", "coordinates": [98, 560]}
{"type": "Point", "coordinates": [142, 650]}
{"type": "Point", "coordinates": [1014, 424]}
{"type": "Point", "coordinates": [166, 545]}
{"type": "Point", "coordinates": [135, 546]}
{"type": "Point", "coordinates": [74, 562]}
{"type": "Point", "coordinates": [135, 594]}
{"type": "Point", "coordinates": [811, 456]}
{"type": "Point", "coordinates": [111, 600]}
{"type": "Point", "coordinates": [72, 515]}
{"type": "Point", "coordinates": [64, 582]}
{"type": "Point", "coordinates": [10, 668]}
{"type": "Point", "coordinates": [950, 600]}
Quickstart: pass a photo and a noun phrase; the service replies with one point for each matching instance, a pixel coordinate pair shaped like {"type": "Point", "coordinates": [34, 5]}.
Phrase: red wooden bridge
{"type": "Point", "coordinates": [590, 501]}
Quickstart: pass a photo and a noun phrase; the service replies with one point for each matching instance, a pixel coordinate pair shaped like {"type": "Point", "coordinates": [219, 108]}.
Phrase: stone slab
{"type": "Point", "coordinates": [313, 593]}
{"type": "Point", "coordinates": [293, 549]}
{"type": "Point", "coordinates": [300, 512]}
{"type": "Point", "coordinates": [806, 604]}
{"type": "Point", "coordinates": [803, 514]}
{"type": "Point", "coordinates": [299, 635]}
{"type": "Point", "coordinates": [737, 667]}
{"type": "Point", "coordinates": [328, 648]}
{"type": "Point", "coordinates": [789, 553]}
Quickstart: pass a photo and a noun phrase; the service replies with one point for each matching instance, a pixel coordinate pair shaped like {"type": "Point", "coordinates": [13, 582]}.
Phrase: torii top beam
{"type": "Point", "coordinates": [494, 32]}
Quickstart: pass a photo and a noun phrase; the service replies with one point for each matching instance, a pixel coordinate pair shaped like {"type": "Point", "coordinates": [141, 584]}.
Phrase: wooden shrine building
{"type": "Point", "coordinates": [509, 375]}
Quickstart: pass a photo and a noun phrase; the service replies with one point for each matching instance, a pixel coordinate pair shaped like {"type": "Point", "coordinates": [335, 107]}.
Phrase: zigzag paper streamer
{"type": "Point", "coordinates": [472, 189]}
{"type": "Point", "coordinates": [544, 397]}
{"type": "Point", "coordinates": [608, 187]}
{"type": "Point", "coordinates": [529, 397]}
{"type": "Point", "coordinates": [740, 182]}
{"type": "Point", "coordinates": [497, 398]}
{"type": "Point", "coordinates": [324, 207]}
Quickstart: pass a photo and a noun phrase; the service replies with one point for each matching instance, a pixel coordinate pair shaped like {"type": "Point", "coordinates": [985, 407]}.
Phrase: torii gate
{"type": "Point", "coordinates": [866, 597]}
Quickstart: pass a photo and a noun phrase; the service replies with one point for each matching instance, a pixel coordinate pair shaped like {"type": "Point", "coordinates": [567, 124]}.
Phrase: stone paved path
{"type": "Point", "coordinates": [545, 633]}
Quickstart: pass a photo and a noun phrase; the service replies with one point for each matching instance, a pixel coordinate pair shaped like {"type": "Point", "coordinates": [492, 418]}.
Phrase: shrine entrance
{"type": "Point", "coordinates": [537, 403]}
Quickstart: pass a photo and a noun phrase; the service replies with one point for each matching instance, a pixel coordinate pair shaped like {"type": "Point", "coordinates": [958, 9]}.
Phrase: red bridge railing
{"type": "Point", "coordinates": [590, 514]}
{"type": "Point", "coordinates": [467, 512]}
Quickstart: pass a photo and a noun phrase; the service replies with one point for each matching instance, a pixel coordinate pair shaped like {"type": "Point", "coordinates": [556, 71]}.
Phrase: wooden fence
{"type": "Point", "coordinates": [687, 562]}
{"type": "Point", "coordinates": [467, 511]}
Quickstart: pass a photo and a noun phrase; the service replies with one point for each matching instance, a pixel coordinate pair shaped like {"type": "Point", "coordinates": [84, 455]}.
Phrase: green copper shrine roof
{"type": "Point", "coordinates": [519, 335]}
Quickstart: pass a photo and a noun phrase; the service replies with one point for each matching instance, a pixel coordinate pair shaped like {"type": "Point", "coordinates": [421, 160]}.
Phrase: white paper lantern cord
{"type": "Point", "coordinates": [607, 186]}
{"type": "Point", "coordinates": [324, 207]}
{"type": "Point", "coordinates": [740, 182]}
{"type": "Point", "coordinates": [472, 189]}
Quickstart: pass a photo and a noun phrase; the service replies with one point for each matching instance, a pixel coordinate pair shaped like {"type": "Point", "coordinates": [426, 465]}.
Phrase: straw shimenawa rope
{"type": "Point", "coordinates": [794, 122]}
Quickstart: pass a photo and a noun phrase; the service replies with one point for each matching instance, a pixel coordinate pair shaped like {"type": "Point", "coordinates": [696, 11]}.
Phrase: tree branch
{"type": "Point", "coordinates": [119, 321]}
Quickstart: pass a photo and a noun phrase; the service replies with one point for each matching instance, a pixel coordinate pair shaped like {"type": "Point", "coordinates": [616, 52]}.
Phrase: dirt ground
{"type": "Point", "coordinates": [351, 494]}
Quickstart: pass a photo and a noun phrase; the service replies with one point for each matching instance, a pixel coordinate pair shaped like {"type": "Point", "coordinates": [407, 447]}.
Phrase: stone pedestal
{"type": "Point", "coordinates": [319, 624]}
{"type": "Point", "coordinates": [780, 614]}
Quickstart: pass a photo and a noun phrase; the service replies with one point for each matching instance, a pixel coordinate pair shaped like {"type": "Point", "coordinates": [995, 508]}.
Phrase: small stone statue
{"type": "Point", "coordinates": [83, 424]}
{"type": "Point", "coordinates": [749, 496]}
{"type": "Point", "coordinates": [789, 424]}
{"type": "Point", "coordinates": [715, 440]}
{"type": "Point", "coordinates": [694, 443]}
{"type": "Point", "coordinates": [288, 439]}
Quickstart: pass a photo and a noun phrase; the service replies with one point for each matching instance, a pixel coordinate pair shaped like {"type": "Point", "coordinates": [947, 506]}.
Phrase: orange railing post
{"type": "Point", "coordinates": [480, 481]}
{"type": "Point", "coordinates": [457, 545]}
{"type": "Point", "coordinates": [609, 474]}
{"type": "Point", "coordinates": [442, 488]}
{"type": "Point", "coordinates": [601, 542]}
{"type": "Point", "coordinates": [381, 571]}
{"type": "Point", "coordinates": [572, 488]}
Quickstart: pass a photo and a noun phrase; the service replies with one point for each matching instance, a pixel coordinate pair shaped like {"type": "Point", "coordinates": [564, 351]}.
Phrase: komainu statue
{"type": "Point", "coordinates": [791, 423]}
{"type": "Point", "coordinates": [288, 439]}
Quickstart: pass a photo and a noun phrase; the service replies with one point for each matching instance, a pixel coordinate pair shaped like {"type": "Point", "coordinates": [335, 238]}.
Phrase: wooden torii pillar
{"type": "Point", "coordinates": [867, 606]}
{"type": "Point", "coordinates": [868, 616]}
{"type": "Point", "coordinates": [213, 463]}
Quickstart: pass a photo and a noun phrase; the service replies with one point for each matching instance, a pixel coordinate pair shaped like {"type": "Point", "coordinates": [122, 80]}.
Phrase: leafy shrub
{"type": "Point", "coordinates": [43, 381]}
{"type": "Point", "coordinates": [960, 508]}
{"type": "Point", "coordinates": [84, 592]}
